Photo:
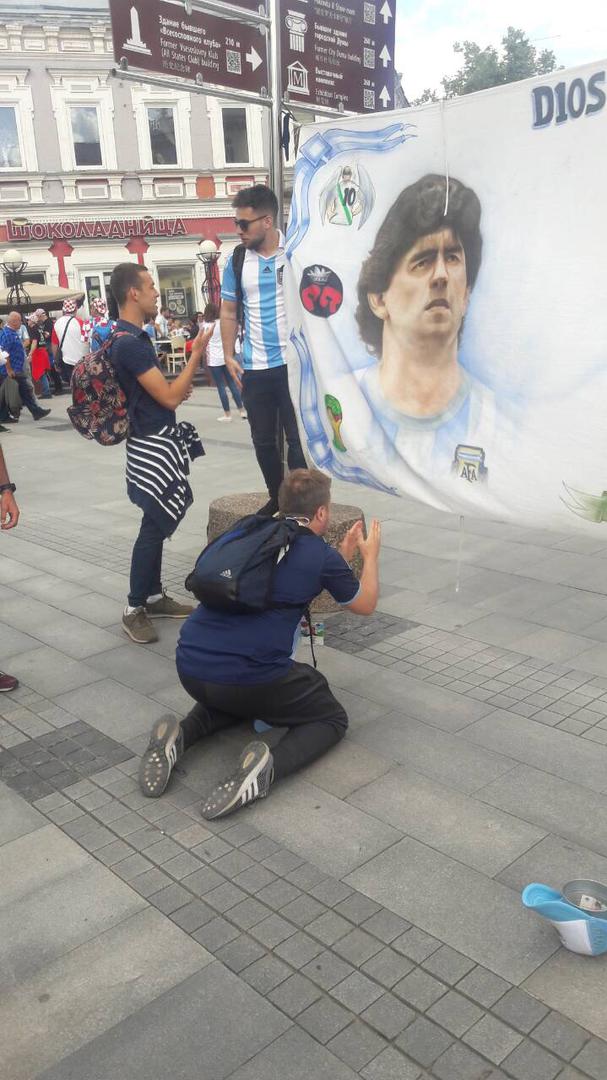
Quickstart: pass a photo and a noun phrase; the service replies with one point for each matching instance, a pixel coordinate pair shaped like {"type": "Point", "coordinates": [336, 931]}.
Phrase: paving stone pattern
{"type": "Point", "coordinates": [556, 695]}
{"type": "Point", "coordinates": [67, 538]}
{"type": "Point", "coordinates": [289, 963]}
{"type": "Point", "coordinates": [361, 995]}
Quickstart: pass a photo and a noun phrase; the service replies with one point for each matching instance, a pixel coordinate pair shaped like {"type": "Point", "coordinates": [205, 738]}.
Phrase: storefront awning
{"type": "Point", "coordinates": [49, 297]}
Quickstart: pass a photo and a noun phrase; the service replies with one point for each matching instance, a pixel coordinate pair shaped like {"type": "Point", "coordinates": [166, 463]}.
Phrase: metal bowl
{"type": "Point", "coordinates": [588, 896]}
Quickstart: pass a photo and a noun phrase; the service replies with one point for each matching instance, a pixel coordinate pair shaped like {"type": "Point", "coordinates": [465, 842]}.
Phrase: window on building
{"type": "Point", "coordinates": [177, 289]}
{"type": "Point", "coordinates": [235, 136]}
{"type": "Point", "coordinates": [39, 276]}
{"type": "Point", "coordinates": [161, 125]}
{"type": "Point", "coordinates": [10, 151]}
{"type": "Point", "coordinates": [85, 133]}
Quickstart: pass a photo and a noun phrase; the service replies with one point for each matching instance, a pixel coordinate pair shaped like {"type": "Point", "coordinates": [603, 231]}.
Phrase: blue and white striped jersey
{"type": "Point", "coordinates": [265, 324]}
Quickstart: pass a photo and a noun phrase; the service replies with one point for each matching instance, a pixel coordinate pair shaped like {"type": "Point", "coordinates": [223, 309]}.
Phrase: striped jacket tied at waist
{"type": "Point", "coordinates": [157, 470]}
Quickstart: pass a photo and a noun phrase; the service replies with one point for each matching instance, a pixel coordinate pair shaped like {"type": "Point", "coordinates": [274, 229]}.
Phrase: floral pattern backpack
{"type": "Point", "coordinates": [100, 408]}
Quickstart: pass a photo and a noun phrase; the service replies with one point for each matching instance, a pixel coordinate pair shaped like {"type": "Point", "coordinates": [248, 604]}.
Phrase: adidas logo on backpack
{"type": "Point", "coordinates": [100, 409]}
{"type": "Point", "coordinates": [226, 573]}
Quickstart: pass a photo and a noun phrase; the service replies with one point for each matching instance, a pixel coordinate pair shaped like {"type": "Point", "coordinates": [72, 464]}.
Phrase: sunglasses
{"type": "Point", "coordinates": [243, 224]}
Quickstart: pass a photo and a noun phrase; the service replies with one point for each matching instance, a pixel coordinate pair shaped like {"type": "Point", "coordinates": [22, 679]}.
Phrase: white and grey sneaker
{"type": "Point", "coordinates": [250, 781]}
{"type": "Point", "coordinates": [164, 750]}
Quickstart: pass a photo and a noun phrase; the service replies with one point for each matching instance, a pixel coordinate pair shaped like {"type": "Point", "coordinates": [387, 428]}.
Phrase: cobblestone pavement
{"type": "Point", "coordinates": [365, 920]}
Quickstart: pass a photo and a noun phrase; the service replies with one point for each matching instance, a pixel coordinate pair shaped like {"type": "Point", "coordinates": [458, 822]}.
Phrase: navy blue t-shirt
{"type": "Point", "coordinates": [226, 647]}
{"type": "Point", "coordinates": [133, 355]}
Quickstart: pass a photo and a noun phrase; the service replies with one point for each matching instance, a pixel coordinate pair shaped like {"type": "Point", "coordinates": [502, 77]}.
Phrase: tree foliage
{"type": "Point", "coordinates": [482, 68]}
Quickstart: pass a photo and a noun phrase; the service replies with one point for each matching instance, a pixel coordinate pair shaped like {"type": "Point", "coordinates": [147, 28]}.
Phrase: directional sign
{"type": "Point", "coordinates": [158, 36]}
{"type": "Point", "coordinates": [339, 52]}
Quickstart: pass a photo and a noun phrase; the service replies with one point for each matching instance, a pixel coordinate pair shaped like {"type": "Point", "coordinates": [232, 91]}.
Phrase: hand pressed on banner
{"type": "Point", "coordinates": [369, 547]}
{"type": "Point", "coordinates": [349, 544]}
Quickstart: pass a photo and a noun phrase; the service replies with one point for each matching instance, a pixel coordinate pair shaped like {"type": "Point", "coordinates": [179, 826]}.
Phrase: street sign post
{"type": "Point", "coordinates": [324, 55]}
{"type": "Point", "coordinates": [338, 54]}
{"type": "Point", "coordinates": [158, 36]}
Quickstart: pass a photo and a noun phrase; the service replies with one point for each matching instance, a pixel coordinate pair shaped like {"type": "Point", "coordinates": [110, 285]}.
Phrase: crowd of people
{"type": "Point", "coordinates": [238, 665]}
{"type": "Point", "coordinates": [39, 352]}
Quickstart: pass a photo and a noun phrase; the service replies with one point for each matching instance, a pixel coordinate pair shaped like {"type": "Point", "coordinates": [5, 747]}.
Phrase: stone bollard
{"type": "Point", "coordinates": [224, 512]}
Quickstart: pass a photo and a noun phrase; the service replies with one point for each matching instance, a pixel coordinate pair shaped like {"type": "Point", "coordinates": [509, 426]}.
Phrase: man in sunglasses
{"type": "Point", "coordinates": [252, 284]}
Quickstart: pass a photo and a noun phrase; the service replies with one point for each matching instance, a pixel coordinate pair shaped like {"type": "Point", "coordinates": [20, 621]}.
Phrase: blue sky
{"type": "Point", "coordinates": [426, 30]}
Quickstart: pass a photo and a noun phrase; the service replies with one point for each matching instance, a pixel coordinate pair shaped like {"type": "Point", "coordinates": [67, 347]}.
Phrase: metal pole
{"type": "Point", "coordinates": [276, 167]}
{"type": "Point", "coordinates": [188, 86]}
{"type": "Point", "coordinates": [276, 170]}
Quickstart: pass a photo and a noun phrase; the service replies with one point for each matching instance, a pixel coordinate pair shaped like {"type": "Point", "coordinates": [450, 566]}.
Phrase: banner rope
{"type": "Point", "coordinates": [444, 135]}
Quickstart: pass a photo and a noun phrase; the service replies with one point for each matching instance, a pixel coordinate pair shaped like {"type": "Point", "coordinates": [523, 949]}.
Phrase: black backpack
{"type": "Point", "coordinates": [236, 570]}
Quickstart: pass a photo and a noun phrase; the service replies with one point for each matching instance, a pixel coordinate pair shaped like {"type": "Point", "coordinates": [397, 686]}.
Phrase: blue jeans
{"type": "Point", "coordinates": [222, 378]}
{"type": "Point", "coordinates": [146, 563]}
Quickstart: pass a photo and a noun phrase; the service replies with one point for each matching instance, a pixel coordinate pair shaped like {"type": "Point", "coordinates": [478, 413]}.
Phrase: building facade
{"type": "Point", "coordinates": [95, 170]}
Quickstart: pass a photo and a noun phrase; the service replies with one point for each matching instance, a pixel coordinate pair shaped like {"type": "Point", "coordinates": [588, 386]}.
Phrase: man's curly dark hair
{"type": "Point", "coordinates": [418, 211]}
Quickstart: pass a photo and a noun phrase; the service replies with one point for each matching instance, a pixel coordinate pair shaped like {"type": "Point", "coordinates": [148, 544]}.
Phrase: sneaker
{"type": "Point", "coordinates": [164, 750]}
{"type": "Point", "coordinates": [7, 682]}
{"type": "Point", "coordinates": [167, 608]}
{"type": "Point", "coordinates": [41, 414]}
{"type": "Point", "coordinates": [224, 419]}
{"type": "Point", "coordinates": [250, 782]}
{"type": "Point", "coordinates": [138, 627]}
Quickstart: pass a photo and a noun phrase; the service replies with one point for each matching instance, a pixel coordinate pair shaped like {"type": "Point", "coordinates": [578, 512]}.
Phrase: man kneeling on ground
{"type": "Point", "coordinates": [240, 666]}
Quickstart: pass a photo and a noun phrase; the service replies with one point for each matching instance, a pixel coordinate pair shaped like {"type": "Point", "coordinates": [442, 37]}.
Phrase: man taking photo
{"type": "Point", "coordinates": [157, 449]}
{"type": "Point", "coordinates": [240, 666]}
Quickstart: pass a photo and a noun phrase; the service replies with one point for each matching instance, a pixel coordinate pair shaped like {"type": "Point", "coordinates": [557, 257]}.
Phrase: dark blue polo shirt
{"type": "Point", "coordinates": [226, 647]}
{"type": "Point", "coordinates": [133, 355]}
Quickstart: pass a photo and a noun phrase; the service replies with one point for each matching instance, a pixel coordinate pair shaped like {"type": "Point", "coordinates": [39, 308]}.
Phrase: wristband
{"type": "Point", "coordinates": [7, 487]}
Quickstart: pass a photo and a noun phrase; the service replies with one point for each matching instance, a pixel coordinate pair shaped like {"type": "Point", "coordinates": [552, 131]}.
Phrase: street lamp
{"type": "Point", "coordinates": [209, 255]}
{"type": "Point", "coordinates": [14, 265]}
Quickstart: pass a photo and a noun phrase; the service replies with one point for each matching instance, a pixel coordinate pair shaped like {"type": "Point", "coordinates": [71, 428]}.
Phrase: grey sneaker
{"type": "Point", "coordinates": [167, 608]}
{"type": "Point", "coordinates": [250, 781]}
{"type": "Point", "coordinates": [138, 627]}
{"type": "Point", "coordinates": [164, 750]}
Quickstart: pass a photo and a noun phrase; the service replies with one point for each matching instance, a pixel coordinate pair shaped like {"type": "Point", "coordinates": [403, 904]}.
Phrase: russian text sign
{"type": "Point", "coordinates": [338, 53]}
{"type": "Point", "coordinates": [158, 36]}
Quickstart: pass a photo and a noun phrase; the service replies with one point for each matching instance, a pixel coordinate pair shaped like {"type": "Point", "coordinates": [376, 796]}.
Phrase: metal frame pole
{"type": "Point", "coordinates": [276, 168]}
{"type": "Point", "coordinates": [276, 165]}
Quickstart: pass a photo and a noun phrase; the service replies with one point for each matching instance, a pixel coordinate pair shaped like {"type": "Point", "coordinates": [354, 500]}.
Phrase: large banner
{"type": "Point", "coordinates": [446, 281]}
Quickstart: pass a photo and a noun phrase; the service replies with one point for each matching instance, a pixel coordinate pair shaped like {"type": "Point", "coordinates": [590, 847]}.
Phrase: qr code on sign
{"type": "Point", "coordinates": [233, 62]}
{"type": "Point", "coordinates": [369, 14]}
{"type": "Point", "coordinates": [369, 99]}
{"type": "Point", "coordinates": [369, 58]}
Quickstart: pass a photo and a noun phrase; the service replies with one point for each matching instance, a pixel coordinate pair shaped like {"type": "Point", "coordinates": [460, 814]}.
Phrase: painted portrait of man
{"type": "Point", "coordinates": [413, 293]}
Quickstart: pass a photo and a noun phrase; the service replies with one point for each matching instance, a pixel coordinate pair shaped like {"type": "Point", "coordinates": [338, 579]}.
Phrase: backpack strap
{"type": "Point", "coordinates": [105, 349]}
{"type": "Point", "coordinates": [238, 257]}
{"type": "Point", "coordinates": [66, 328]}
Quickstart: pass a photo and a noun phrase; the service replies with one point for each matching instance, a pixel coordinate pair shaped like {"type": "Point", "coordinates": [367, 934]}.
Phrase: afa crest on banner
{"type": "Point", "coordinates": [447, 305]}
